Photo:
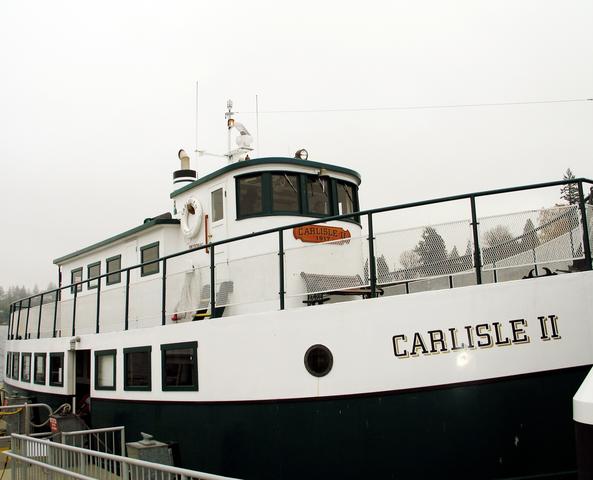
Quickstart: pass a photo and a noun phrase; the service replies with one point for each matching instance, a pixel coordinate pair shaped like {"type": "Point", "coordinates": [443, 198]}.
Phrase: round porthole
{"type": "Point", "coordinates": [318, 360]}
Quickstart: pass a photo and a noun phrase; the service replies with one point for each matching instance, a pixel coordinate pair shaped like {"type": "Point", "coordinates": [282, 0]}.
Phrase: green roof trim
{"type": "Point", "coordinates": [140, 228]}
{"type": "Point", "coordinates": [265, 161]}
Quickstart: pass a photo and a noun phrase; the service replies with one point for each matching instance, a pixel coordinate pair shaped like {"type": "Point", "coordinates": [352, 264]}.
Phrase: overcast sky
{"type": "Point", "coordinates": [96, 99]}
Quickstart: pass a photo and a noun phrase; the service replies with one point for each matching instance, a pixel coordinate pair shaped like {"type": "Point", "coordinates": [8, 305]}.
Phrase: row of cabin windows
{"type": "Point", "coordinates": [288, 193]}
{"type": "Point", "coordinates": [178, 363]}
{"type": "Point", "coordinates": [148, 253]}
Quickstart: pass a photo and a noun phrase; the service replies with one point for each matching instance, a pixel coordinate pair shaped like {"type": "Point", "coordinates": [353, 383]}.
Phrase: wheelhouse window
{"type": "Point", "coordinates": [15, 365]}
{"type": "Point", "coordinates": [149, 253]}
{"type": "Point", "coordinates": [93, 270]}
{"type": "Point", "coordinates": [39, 368]}
{"type": "Point", "coordinates": [105, 370]}
{"type": "Point", "coordinates": [26, 367]}
{"type": "Point", "coordinates": [8, 359]}
{"type": "Point", "coordinates": [180, 368]}
{"type": "Point", "coordinates": [285, 193]}
{"type": "Point", "coordinates": [217, 205]}
{"type": "Point", "coordinates": [137, 368]}
{"type": "Point", "coordinates": [113, 264]}
{"type": "Point", "coordinates": [346, 198]}
{"type": "Point", "coordinates": [318, 195]}
{"type": "Point", "coordinates": [56, 369]}
{"type": "Point", "coordinates": [250, 195]}
{"type": "Point", "coordinates": [75, 277]}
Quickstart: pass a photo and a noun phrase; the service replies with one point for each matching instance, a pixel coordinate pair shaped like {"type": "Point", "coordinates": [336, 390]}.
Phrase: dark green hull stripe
{"type": "Point", "coordinates": [512, 427]}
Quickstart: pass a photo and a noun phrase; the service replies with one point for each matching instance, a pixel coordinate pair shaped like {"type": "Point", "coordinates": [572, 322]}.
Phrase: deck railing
{"type": "Point", "coordinates": [566, 227]}
{"type": "Point", "coordinates": [41, 459]}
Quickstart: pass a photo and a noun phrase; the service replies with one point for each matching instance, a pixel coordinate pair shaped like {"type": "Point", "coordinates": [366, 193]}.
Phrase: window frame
{"type": "Point", "coordinates": [107, 278]}
{"type": "Point", "coordinates": [105, 353]}
{"type": "Point", "coordinates": [8, 373]}
{"type": "Point", "coordinates": [178, 346]}
{"type": "Point", "coordinates": [212, 192]}
{"type": "Point", "coordinates": [23, 356]}
{"type": "Point", "coordinates": [56, 355]}
{"type": "Point", "coordinates": [88, 275]}
{"type": "Point", "coordinates": [17, 364]}
{"type": "Point", "coordinates": [157, 262]}
{"type": "Point", "coordinates": [138, 388]}
{"type": "Point", "coordinates": [78, 288]}
{"type": "Point", "coordinates": [35, 359]}
{"type": "Point", "coordinates": [303, 211]}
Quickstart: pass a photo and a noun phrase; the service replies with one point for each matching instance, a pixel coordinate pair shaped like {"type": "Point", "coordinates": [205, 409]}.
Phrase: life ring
{"type": "Point", "coordinates": [194, 208]}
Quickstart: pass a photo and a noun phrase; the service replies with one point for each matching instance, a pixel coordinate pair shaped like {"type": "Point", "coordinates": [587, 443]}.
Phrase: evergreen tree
{"type": "Point", "coordinates": [529, 238]}
{"type": "Point", "coordinates": [570, 191]}
{"type": "Point", "coordinates": [431, 248]}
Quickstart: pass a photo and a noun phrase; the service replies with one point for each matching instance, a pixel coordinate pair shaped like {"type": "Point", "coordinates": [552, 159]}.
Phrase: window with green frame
{"type": "Point", "coordinates": [105, 368]}
{"type": "Point", "coordinates": [180, 366]}
{"type": "Point", "coordinates": [137, 368]}
{"type": "Point", "coordinates": [39, 368]}
{"type": "Point", "coordinates": [75, 277]}
{"type": "Point", "coordinates": [293, 193]}
{"type": "Point", "coordinates": [26, 367]}
{"type": "Point", "coordinates": [93, 270]}
{"type": "Point", "coordinates": [149, 253]}
{"type": "Point", "coordinates": [8, 359]}
{"type": "Point", "coordinates": [15, 365]}
{"type": "Point", "coordinates": [56, 369]}
{"type": "Point", "coordinates": [113, 264]}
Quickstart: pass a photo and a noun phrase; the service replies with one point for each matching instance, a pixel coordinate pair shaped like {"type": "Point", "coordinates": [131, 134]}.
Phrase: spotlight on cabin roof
{"type": "Point", "coordinates": [301, 154]}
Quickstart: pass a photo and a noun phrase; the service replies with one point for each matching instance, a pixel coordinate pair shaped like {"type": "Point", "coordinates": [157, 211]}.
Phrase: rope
{"type": "Point", "coordinates": [12, 413]}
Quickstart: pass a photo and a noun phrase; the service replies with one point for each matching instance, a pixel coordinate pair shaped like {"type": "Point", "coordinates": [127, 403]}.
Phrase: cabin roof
{"type": "Point", "coordinates": [264, 161]}
{"type": "Point", "coordinates": [148, 223]}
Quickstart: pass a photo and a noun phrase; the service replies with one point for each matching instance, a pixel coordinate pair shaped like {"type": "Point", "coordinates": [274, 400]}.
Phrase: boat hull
{"type": "Point", "coordinates": [507, 427]}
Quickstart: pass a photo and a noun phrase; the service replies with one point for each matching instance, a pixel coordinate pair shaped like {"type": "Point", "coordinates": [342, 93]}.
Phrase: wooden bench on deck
{"type": "Point", "coordinates": [319, 286]}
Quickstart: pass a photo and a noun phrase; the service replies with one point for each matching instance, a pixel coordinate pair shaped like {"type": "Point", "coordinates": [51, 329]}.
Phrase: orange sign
{"type": "Point", "coordinates": [53, 425]}
{"type": "Point", "coordinates": [319, 233]}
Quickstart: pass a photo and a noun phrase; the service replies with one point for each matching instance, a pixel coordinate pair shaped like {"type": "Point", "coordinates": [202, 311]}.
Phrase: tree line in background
{"type": "Point", "coordinates": [15, 293]}
{"type": "Point", "coordinates": [431, 254]}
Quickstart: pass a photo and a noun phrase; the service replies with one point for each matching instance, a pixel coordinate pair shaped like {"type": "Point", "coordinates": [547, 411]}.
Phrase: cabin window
{"type": "Point", "coordinates": [137, 368]}
{"type": "Point", "coordinates": [93, 270]}
{"type": "Point", "coordinates": [249, 196]}
{"type": "Point", "coordinates": [179, 366]}
{"type": "Point", "coordinates": [15, 365]}
{"type": "Point", "coordinates": [56, 369]}
{"type": "Point", "coordinates": [318, 195]}
{"type": "Point", "coordinates": [149, 253]}
{"type": "Point", "coordinates": [26, 367]}
{"type": "Point", "coordinates": [75, 277]}
{"type": "Point", "coordinates": [346, 198]}
{"type": "Point", "coordinates": [39, 369]}
{"type": "Point", "coordinates": [217, 205]}
{"type": "Point", "coordinates": [113, 264]}
{"type": "Point", "coordinates": [285, 193]}
{"type": "Point", "coordinates": [8, 359]}
{"type": "Point", "coordinates": [105, 370]}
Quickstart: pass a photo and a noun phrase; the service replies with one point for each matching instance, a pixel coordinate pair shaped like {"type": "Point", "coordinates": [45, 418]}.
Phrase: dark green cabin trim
{"type": "Point", "coordinates": [37, 357]}
{"type": "Point", "coordinates": [151, 223]}
{"type": "Point", "coordinates": [105, 353]}
{"type": "Point", "coordinates": [178, 346]}
{"type": "Point", "coordinates": [265, 161]}
{"type": "Point", "coordinates": [143, 272]}
{"type": "Point", "coordinates": [138, 388]}
{"type": "Point", "coordinates": [88, 275]}
{"type": "Point", "coordinates": [57, 355]}
{"type": "Point", "coordinates": [108, 280]}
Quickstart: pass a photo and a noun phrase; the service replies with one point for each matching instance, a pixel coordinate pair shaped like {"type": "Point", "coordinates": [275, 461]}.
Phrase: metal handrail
{"type": "Point", "coordinates": [118, 458]}
{"type": "Point", "coordinates": [369, 212]}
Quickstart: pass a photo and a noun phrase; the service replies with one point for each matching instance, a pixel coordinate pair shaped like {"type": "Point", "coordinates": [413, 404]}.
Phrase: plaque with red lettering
{"type": "Point", "coordinates": [320, 233]}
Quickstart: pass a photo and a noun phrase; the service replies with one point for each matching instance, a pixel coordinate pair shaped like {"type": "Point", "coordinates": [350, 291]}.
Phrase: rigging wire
{"type": "Point", "coordinates": [421, 107]}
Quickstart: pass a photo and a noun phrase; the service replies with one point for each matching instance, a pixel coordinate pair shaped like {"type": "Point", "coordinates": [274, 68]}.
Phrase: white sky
{"type": "Point", "coordinates": [96, 99]}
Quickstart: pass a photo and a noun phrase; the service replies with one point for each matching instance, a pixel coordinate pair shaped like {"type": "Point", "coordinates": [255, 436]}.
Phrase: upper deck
{"type": "Point", "coordinates": [277, 268]}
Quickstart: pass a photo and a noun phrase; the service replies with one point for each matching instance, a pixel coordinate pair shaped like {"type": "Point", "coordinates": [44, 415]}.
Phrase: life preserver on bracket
{"type": "Point", "coordinates": [192, 209]}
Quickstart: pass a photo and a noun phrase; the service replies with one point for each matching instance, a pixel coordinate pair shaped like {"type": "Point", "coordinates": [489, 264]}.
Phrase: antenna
{"type": "Point", "coordinates": [196, 151]}
{"type": "Point", "coordinates": [230, 123]}
{"type": "Point", "coordinates": [257, 125]}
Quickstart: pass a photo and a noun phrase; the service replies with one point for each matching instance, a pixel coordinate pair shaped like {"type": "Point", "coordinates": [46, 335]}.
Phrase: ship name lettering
{"type": "Point", "coordinates": [471, 337]}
